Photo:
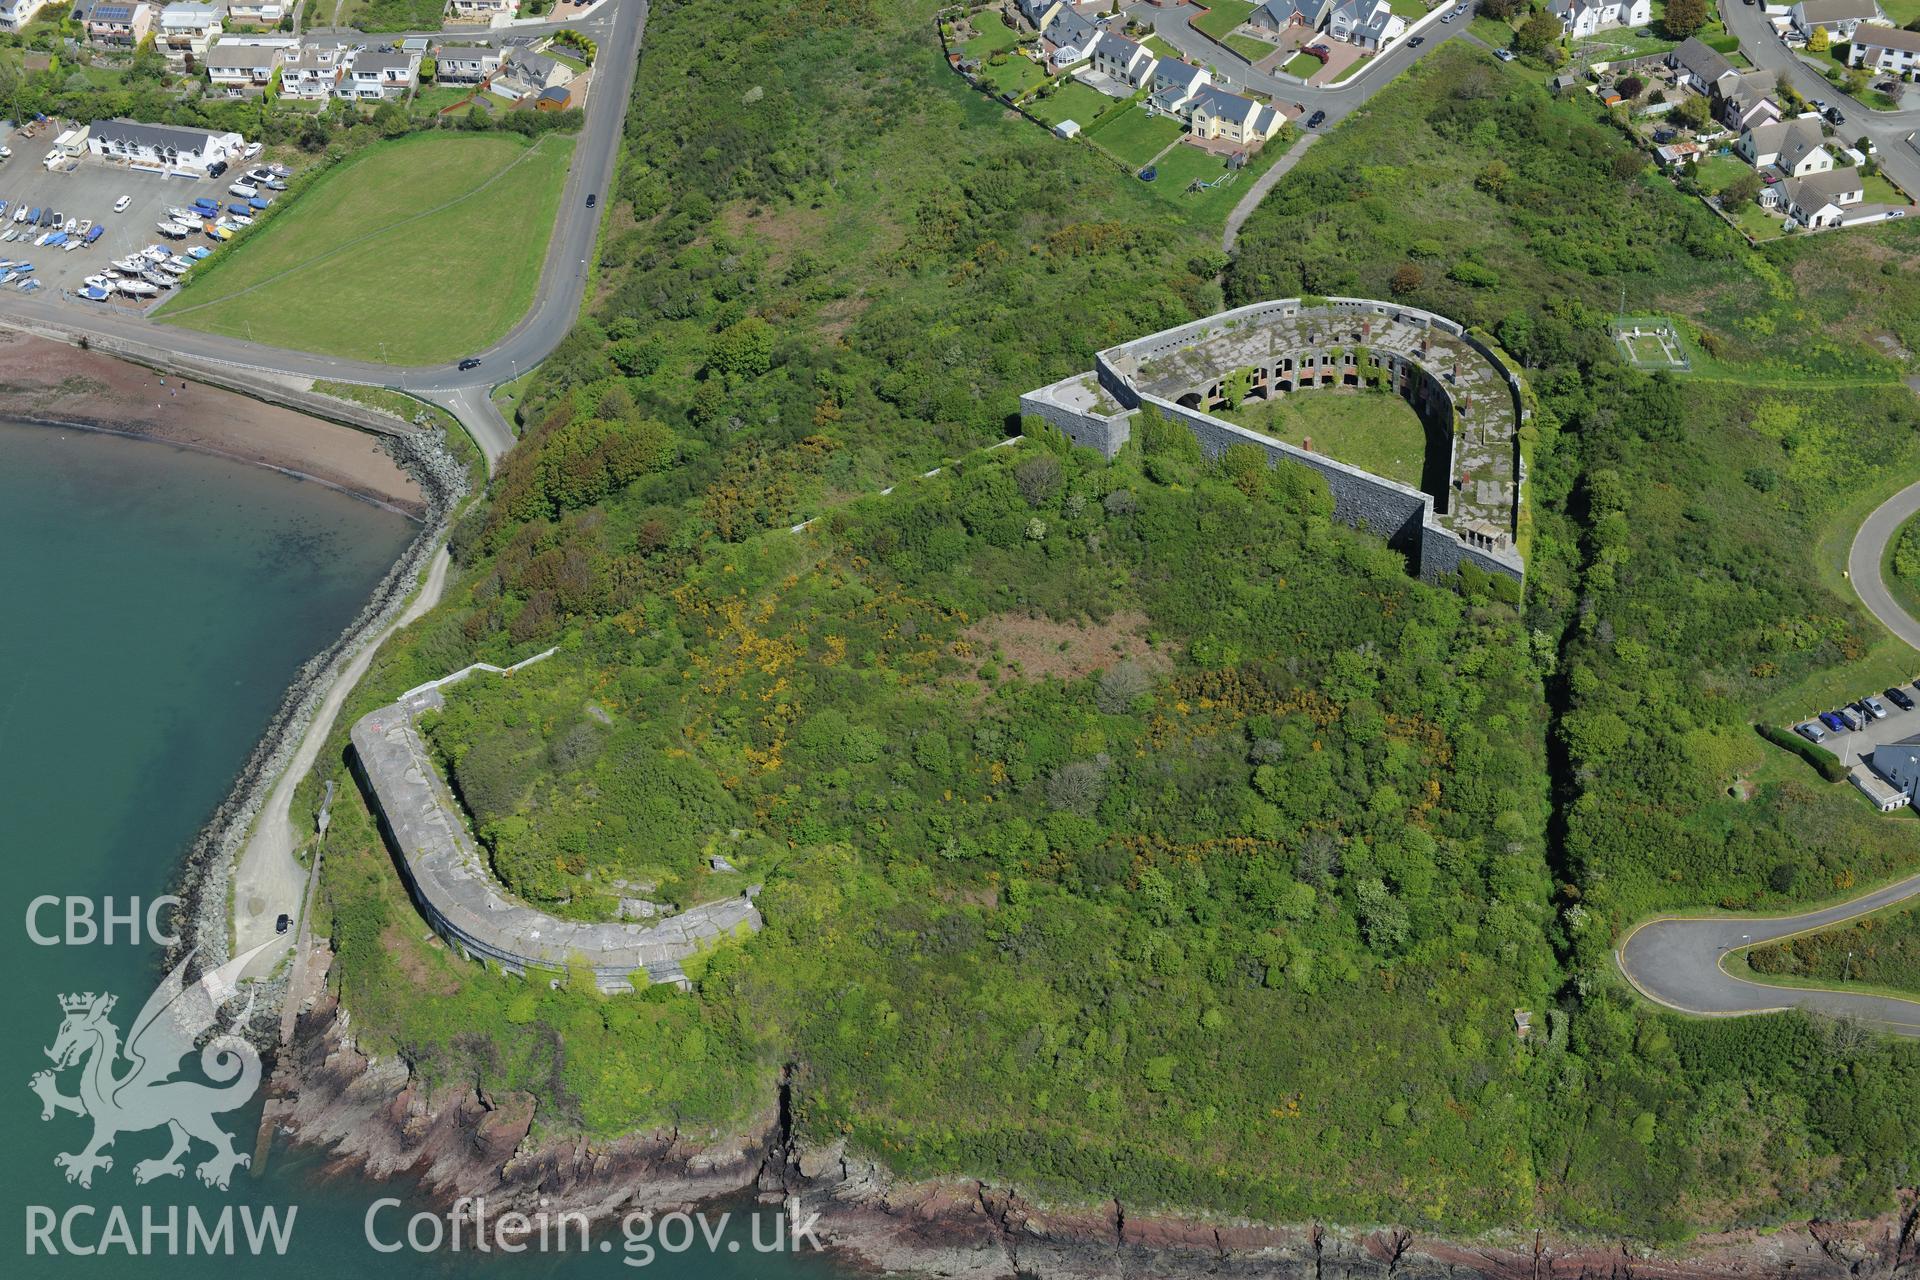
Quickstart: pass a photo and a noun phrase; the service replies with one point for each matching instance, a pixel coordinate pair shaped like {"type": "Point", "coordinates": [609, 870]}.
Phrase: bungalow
{"type": "Point", "coordinates": [1582, 18]}
{"type": "Point", "coordinates": [118, 24]}
{"type": "Point", "coordinates": [255, 13]}
{"type": "Point", "coordinates": [1795, 147]}
{"type": "Point", "coordinates": [1698, 66]}
{"type": "Point", "coordinates": [1367, 24]}
{"type": "Point", "coordinates": [239, 65]}
{"type": "Point", "coordinates": [172, 146]}
{"type": "Point", "coordinates": [381, 73]}
{"type": "Point", "coordinates": [1674, 154]}
{"type": "Point", "coordinates": [1885, 49]}
{"type": "Point", "coordinates": [1122, 59]}
{"type": "Point", "coordinates": [1218, 114]}
{"type": "Point", "coordinates": [478, 12]}
{"type": "Point", "coordinates": [1821, 199]}
{"type": "Point", "coordinates": [15, 14]}
{"type": "Point", "coordinates": [1278, 15]}
{"type": "Point", "coordinates": [1068, 39]}
{"type": "Point", "coordinates": [187, 31]}
{"type": "Point", "coordinates": [1175, 83]}
{"type": "Point", "coordinates": [1839, 17]}
{"type": "Point", "coordinates": [1746, 99]}
{"type": "Point", "coordinates": [468, 65]}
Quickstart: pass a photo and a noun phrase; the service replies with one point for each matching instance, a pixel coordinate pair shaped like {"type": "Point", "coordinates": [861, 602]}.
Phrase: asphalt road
{"type": "Point", "coordinates": [1887, 129]}
{"type": "Point", "coordinates": [1869, 552]}
{"type": "Point", "coordinates": [1676, 961]}
{"type": "Point", "coordinates": [618, 27]}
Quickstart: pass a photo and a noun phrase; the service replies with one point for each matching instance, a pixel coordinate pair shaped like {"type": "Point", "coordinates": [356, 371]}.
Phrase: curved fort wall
{"type": "Point", "coordinates": [1458, 384]}
{"type": "Point", "coordinates": [450, 883]}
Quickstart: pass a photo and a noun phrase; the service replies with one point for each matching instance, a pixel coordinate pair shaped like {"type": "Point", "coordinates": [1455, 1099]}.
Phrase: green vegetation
{"type": "Point", "coordinates": [1224, 16]}
{"type": "Point", "coordinates": [1376, 431]}
{"type": "Point", "coordinates": [1819, 757]}
{"type": "Point", "coordinates": [1133, 137]}
{"type": "Point", "coordinates": [394, 15]}
{"type": "Point", "coordinates": [412, 251]}
{"type": "Point", "coordinates": [1880, 950]}
{"type": "Point", "coordinates": [1074, 101]}
{"type": "Point", "coordinates": [1079, 789]}
{"type": "Point", "coordinates": [1306, 66]}
{"type": "Point", "coordinates": [1252, 48]}
{"type": "Point", "coordinates": [1900, 567]}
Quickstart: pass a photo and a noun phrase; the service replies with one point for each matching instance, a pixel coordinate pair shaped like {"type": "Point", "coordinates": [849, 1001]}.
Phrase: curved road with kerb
{"type": "Point", "coordinates": [1679, 961]}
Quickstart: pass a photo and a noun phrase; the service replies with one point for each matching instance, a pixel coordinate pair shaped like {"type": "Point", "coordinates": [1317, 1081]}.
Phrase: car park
{"type": "Point", "coordinates": [1810, 731]}
{"type": "Point", "coordinates": [1899, 698]}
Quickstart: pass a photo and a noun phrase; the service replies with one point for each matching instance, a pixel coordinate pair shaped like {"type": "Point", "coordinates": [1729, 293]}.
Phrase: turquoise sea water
{"type": "Point", "coordinates": [154, 605]}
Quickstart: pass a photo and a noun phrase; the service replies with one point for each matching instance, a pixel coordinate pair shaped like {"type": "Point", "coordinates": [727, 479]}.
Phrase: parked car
{"type": "Point", "coordinates": [1445, 18]}
{"type": "Point", "coordinates": [1850, 718]}
{"type": "Point", "coordinates": [1832, 720]}
{"type": "Point", "coordinates": [217, 168]}
{"type": "Point", "coordinates": [1665, 135]}
{"type": "Point", "coordinates": [1819, 104]}
{"type": "Point", "coordinates": [1416, 42]}
{"type": "Point", "coordinates": [1876, 708]}
{"type": "Point", "coordinates": [280, 924]}
{"type": "Point", "coordinates": [1898, 698]}
{"type": "Point", "coordinates": [1810, 731]}
{"type": "Point", "coordinates": [1834, 114]}
{"type": "Point", "coordinates": [1505, 55]}
{"type": "Point", "coordinates": [1317, 119]}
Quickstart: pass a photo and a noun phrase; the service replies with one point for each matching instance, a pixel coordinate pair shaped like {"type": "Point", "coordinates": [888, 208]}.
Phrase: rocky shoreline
{"type": "Point", "coordinates": [373, 1119]}
{"type": "Point", "coordinates": [203, 877]}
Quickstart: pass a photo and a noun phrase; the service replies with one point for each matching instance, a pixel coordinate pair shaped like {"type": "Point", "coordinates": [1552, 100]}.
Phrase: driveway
{"type": "Point", "coordinates": [1676, 961]}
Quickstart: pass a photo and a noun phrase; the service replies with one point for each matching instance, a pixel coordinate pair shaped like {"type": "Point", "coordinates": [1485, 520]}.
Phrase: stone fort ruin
{"type": "Point", "coordinates": [1462, 390]}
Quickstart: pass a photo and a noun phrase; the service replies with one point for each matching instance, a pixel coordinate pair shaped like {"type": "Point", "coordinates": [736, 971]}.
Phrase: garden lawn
{"type": "Point", "coordinates": [1014, 77]}
{"type": "Point", "coordinates": [415, 251]}
{"type": "Point", "coordinates": [1715, 173]}
{"type": "Point", "coordinates": [1223, 16]}
{"type": "Point", "coordinates": [1375, 431]}
{"type": "Point", "coordinates": [1248, 47]}
{"type": "Point", "coordinates": [1879, 191]}
{"type": "Point", "coordinates": [1411, 10]}
{"type": "Point", "coordinates": [1073, 101]}
{"type": "Point", "coordinates": [1900, 12]}
{"type": "Point", "coordinates": [1134, 138]}
{"type": "Point", "coordinates": [1304, 65]}
{"type": "Point", "coordinates": [992, 35]}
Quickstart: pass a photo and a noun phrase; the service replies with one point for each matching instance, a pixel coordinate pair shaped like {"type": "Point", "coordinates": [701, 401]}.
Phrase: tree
{"type": "Point", "coordinates": [1684, 17]}
{"type": "Point", "coordinates": [1538, 33]}
{"type": "Point", "coordinates": [429, 68]}
{"type": "Point", "coordinates": [1743, 190]}
{"type": "Point", "coordinates": [1818, 42]}
{"type": "Point", "coordinates": [1493, 178]}
{"type": "Point", "coordinates": [1631, 87]}
{"type": "Point", "coordinates": [1408, 279]}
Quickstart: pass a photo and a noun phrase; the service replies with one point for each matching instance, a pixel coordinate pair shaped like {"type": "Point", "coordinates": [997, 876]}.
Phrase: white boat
{"type": "Point", "coordinates": [174, 268]}
{"type": "Point", "coordinates": [181, 215]}
{"type": "Point", "coordinates": [158, 280]}
{"type": "Point", "coordinates": [70, 225]}
{"type": "Point", "coordinates": [173, 230]}
{"type": "Point", "coordinates": [131, 265]}
{"type": "Point", "coordinates": [137, 288]}
{"type": "Point", "coordinates": [240, 219]}
{"type": "Point", "coordinates": [158, 252]}
{"type": "Point", "coordinates": [94, 293]}
{"type": "Point", "coordinates": [99, 282]}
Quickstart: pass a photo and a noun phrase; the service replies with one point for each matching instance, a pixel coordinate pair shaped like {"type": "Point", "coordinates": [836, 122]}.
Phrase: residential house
{"type": "Point", "coordinates": [1582, 18]}
{"type": "Point", "coordinates": [382, 73]}
{"type": "Point", "coordinates": [1040, 12]}
{"type": "Point", "coordinates": [1674, 154]}
{"type": "Point", "coordinates": [187, 31]}
{"type": "Point", "coordinates": [1175, 83]}
{"type": "Point", "coordinates": [1068, 38]}
{"type": "Point", "coordinates": [536, 69]}
{"type": "Point", "coordinates": [1368, 24]}
{"type": "Point", "coordinates": [313, 71]}
{"type": "Point", "coordinates": [255, 13]}
{"type": "Point", "coordinates": [1885, 49]}
{"type": "Point", "coordinates": [1839, 17]}
{"type": "Point", "coordinates": [479, 12]}
{"type": "Point", "coordinates": [466, 65]}
{"type": "Point", "coordinates": [1822, 199]}
{"type": "Point", "coordinates": [15, 14]}
{"type": "Point", "coordinates": [118, 24]}
{"type": "Point", "coordinates": [1795, 147]}
{"type": "Point", "coordinates": [1746, 99]}
{"type": "Point", "coordinates": [1122, 59]}
{"type": "Point", "coordinates": [172, 146]}
{"type": "Point", "coordinates": [1698, 66]}
{"type": "Point", "coordinates": [239, 66]}
{"type": "Point", "coordinates": [1899, 763]}
{"type": "Point", "coordinates": [1218, 114]}
{"type": "Point", "coordinates": [1278, 15]}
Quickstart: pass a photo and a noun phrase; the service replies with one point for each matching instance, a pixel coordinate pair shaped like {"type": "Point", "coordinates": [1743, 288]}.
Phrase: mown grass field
{"type": "Point", "coordinates": [416, 251]}
{"type": "Point", "coordinates": [1376, 432]}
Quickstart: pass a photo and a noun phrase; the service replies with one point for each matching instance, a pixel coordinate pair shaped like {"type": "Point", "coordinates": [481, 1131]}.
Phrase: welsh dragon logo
{"type": "Point", "coordinates": [145, 1094]}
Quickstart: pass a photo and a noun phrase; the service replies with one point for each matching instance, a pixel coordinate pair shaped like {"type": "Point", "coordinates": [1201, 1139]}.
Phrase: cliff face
{"type": "Point", "coordinates": [376, 1120]}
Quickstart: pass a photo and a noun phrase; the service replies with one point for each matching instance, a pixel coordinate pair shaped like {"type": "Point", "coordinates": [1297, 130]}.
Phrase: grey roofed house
{"type": "Point", "coordinates": [1069, 30]}
{"type": "Point", "coordinates": [1227, 106]}
{"type": "Point", "coordinates": [1823, 11]}
{"type": "Point", "coordinates": [1278, 13]}
{"type": "Point", "coordinates": [1899, 763]}
{"type": "Point", "coordinates": [245, 56]}
{"type": "Point", "coordinates": [380, 61]}
{"type": "Point", "coordinates": [1699, 60]}
{"type": "Point", "coordinates": [1173, 73]}
{"type": "Point", "coordinates": [154, 137]}
{"type": "Point", "coordinates": [1801, 139]}
{"type": "Point", "coordinates": [1818, 188]}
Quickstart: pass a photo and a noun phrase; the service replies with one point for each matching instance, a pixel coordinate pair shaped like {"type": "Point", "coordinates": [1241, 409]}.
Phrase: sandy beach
{"type": "Point", "coordinates": [49, 382]}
